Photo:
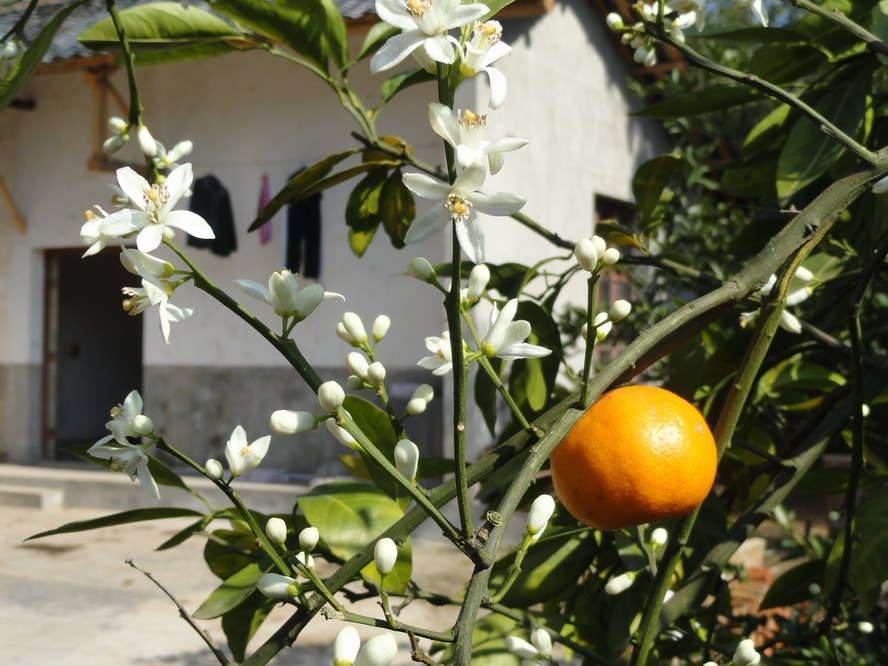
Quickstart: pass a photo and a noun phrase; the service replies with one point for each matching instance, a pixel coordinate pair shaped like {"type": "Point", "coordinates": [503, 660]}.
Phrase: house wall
{"type": "Point", "coordinates": [250, 114]}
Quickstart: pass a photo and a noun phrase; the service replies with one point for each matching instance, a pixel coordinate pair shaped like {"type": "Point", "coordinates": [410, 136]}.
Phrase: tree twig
{"type": "Point", "coordinates": [205, 636]}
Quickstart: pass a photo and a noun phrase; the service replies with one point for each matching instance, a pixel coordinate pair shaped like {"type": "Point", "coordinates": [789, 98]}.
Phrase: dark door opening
{"type": "Point", "coordinates": [93, 350]}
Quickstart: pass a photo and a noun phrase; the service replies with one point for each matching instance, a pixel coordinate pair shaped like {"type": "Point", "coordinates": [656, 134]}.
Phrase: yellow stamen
{"type": "Point", "coordinates": [469, 118]}
{"type": "Point", "coordinates": [245, 451]}
{"type": "Point", "coordinates": [418, 7]}
{"type": "Point", "coordinates": [459, 206]}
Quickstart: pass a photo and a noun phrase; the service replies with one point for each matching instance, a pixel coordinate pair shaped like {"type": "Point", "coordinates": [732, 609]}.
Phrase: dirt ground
{"type": "Point", "coordinates": [71, 599]}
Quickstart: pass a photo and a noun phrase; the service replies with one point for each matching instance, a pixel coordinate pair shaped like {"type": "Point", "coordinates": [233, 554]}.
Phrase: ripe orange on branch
{"type": "Point", "coordinates": [639, 454]}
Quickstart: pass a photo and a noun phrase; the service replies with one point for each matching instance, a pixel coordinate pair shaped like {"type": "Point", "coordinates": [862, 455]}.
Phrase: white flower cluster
{"type": "Point", "coordinates": [150, 147]}
{"type": "Point", "coordinates": [803, 284]}
{"type": "Point", "coordinates": [378, 651]}
{"type": "Point", "coordinates": [593, 255]}
{"type": "Point", "coordinates": [536, 653]}
{"type": "Point", "coordinates": [679, 15]}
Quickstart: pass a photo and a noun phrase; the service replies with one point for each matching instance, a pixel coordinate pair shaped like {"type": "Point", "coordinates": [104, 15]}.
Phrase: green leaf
{"type": "Point", "coordinates": [241, 623]}
{"type": "Point", "coordinates": [869, 566]}
{"type": "Point", "coordinates": [351, 515]}
{"type": "Point", "coordinates": [300, 25]}
{"type": "Point", "coordinates": [295, 189]}
{"type": "Point", "coordinates": [159, 25]}
{"type": "Point", "coordinates": [355, 466]}
{"type": "Point", "coordinates": [711, 98]}
{"type": "Point", "coordinates": [648, 183]}
{"type": "Point", "coordinates": [376, 37]}
{"type": "Point", "coordinates": [756, 35]}
{"type": "Point", "coordinates": [335, 32]}
{"type": "Point", "coordinates": [880, 25]}
{"type": "Point", "coordinates": [767, 131]}
{"type": "Point", "coordinates": [494, 6]}
{"type": "Point", "coordinates": [509, 278]}
{"type": "Point", "coordinates": [24, 68]}
{"type": "Point", "coordinates": [362, 210]}
{"type": "Point", "coordinates": [229, 551]}
{"type": "Point", "coordinates": [780, 63]}
{"type": "Point", "coordinates": [123, 518]}
{"type": "Point", "coordinates": [397, 208]}
{"type": "Point", "coordinates": [552, 565]}
{"type": "Point", "coordinates": [186, 53]}
{"type": "Point", "coordinates": [488, 642]}
{"type": "Point", "coordinates": [395, 84]}
{"type": "Point", "coordinates": [378, 427]}
{"type": "Point", "coordinates": [791, 587]}
{"type": "Point", "coordinates": [182, 536]}
{"type": "Point", "coordinates": [231, 592]}
{"type": "Point", "coordinates": [533, 379]}
{"type": "Point", "coordinates": [808, 152]}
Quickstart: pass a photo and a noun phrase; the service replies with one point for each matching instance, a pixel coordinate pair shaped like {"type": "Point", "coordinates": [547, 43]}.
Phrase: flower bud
{"type": "Point", "coordinates": [275, 586]}
{"type": "Point", "coordinates": [276, 529]}
{"type": "Point", "coordinates": [421, 269]}
{"type": "Point", "coordinates": [308, 539]}
{"type": "Point", "coordinates": [214, 469]}
{"type": "Point", "coordinates": [179, 151]}
{"type": "Point", "coordinates": [864, 410]}
{"type": "Point", "coordinates": [341, 434]}
{"type": "Point", "coordinates": [385, 554]}
{"type": "Point", "coordinates": [542, 641]}
{"type": "Point", "coordinates": [287, 422]}
{"type": "Point", "coordinates": [380, 650]}
{"type": "Point", "coordinates": [627, 37]}
{"type": "Point", "coordinates": [346, 646]}
{"type": "Point", "coordinates": [538, 516]}
{"type": "Point", "coordinates": [659, 536]}
{"type": "Point", "coordinates": [306, 560]}
{"type": "Point", "coordinates": [375, 373]}
{"type": "Point", "coordinates": [814, 589]}
{"type": "Point", "coordinates": [803, 274]}
{"type": "Point", "coordinates": [357, 364]}
{"type": "Point", "coordinates": [619, 310]}
{"type": "Point", "coordinates": [650, 58]}
{"type": "Point", "coordinates": [380, 327]}
{"type": "Point", "coordinates": [354, 327]}
{"type": "Point", "coordinates": [117, 124]}
{"type": "Point", "coordinates": [619, 583]}
{"type": "Point", "coordinates": [865, 627]}
{"type": "Point", "coordinates": [603, 326]}
{"type": "Point", "coordinates": [746, 654]}
{"type": "Point", "coordinates": [789, 322]}
{"type": "Point", "coordinates": [478, 279]}
{"type": "Point", "coordinates": [146, 141]}
{"type": "Point", "coordinates": [614, 21]}
{"type": "Point", "coordinates": [710, 663]}
{"type": "Point", "coordinates": [600, 244]}
{"type": "Point", "coordinates": [142, 425]}
{"type": "Point", "coordinates": [112, 144]}
{"type": "Point", "coordinates": [610, 256]}
{"type": "Point", "coordinates": [586, 254]}
{"type": "Point", "coordinates": [330, 396]}
{"type": "Point", "coordinates": [881, 186]}
{"type": "Point", "coordinates": [520, 647]}
{"type": "Point", "coordinates": [342, 334]}
{"type": "Point", "coordinates": [354, 382]}
{"type": "Point", "coordinates": [407, 458]}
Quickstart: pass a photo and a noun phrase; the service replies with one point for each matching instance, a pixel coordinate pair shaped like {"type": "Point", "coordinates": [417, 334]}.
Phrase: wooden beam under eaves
{"type": "Point", "coordinates": [10, 204]}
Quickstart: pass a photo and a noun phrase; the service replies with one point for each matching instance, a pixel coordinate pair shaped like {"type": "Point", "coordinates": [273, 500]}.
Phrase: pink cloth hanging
{"type": "Point", "coordinates": [264, 198]}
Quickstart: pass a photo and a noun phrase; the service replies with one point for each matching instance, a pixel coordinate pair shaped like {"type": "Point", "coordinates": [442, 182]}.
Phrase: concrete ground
{"type": "Point", "coordinates": [71, 599]}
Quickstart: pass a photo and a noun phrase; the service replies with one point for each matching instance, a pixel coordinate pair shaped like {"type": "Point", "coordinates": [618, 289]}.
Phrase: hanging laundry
{"type": "Point", "coordinates": [211, 201]}
{"type": "Point", "coordinates": [264, 198]}
{"type": "Point", "coordinates": [303, 249]}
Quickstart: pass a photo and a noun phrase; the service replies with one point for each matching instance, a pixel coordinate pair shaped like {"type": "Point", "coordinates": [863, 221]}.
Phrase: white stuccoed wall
{"type": "Point", "coordinates": [250, 114]}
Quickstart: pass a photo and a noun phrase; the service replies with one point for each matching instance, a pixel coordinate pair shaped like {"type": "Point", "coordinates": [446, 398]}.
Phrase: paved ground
{"type": "Point", "coordinates": [72, 600]}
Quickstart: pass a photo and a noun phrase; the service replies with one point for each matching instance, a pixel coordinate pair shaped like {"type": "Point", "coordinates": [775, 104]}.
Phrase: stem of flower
{"type": "Point", "coordinates": [591, 336]}
{"type": "Point", "coordinates": [514, 572]}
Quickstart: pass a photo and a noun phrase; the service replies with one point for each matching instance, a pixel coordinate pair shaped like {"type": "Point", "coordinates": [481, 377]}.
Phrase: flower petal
{"type": "Point", "coordinates": [149, 237]}
{"type": "Point", "coordinates": [189, 222]}
{"type": "Point", "coordinates": [500, 203]}
{"type": "Point", "coordinates": [495, 162]}
{"type": "Point", "coordinates": [515, 332]}
{"type": "Point", "coordinates": [133, 186]}
{"type": "Point", "coordinates": [444, 122]}
{"type": "Point", "coordinates": [427, 224]}
{"type": "Point", "coordinates": [471, 239]}
{"type": "Point", "coordinates": [147, 481]}
{"type": "Point", "coordinates": [440, 49]}
{"type": "Point", "coordinates": [506, 144]}
{"type": "Point", "coordinates": [523, 350]}
{"type": "Point", "coordinates": [123, 222]}
{"type": "Point", "coordinates": [177, 183]}
{"type": "Point", "coordinates": [497, 87]}
{"type": "Point", "coordinates": [308, 299]}
{"type": "Point", "coordinates": [470, 179]}
{"type": "Point", "coordinates": [426, 186]}
{"type": "Point", "coordinates": [395, 50]}
{"type": "Point", "coordinates": [395, 13]}
{"type": "Point", "coordinates": [254, 290]}
{"type": "Point", "coordinates": [463, 15]}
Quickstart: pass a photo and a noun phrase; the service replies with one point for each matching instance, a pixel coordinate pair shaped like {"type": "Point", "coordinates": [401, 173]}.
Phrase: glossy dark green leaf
{"type": "Point", "coordinates": [241, 623]}
{"type": "Point", "coordinates": [532, 380]}
{"type": "Point", "coordinates": [869, 566]}
{"type": "Point", "coordinates": [186, 53]}
{"type": "Point", "coordinates": [712, 98]}
{"type": "Point", "coordinates": [122, 518]}
{"type": "Point", "coordinates": [551, 565]}
{"type": "Point", "coordinates": [159, 26]}
{"type": "Point", "coordinates": [335, 32]}
{"type": "Point", "coordinates": [648, 184]}
{"type": "Point", "coordinates": [299, 25]}
{"type": "Point", "coordinates": [509, 278]}
{"type": "Point", "coordinates": [791, 587]}
{"type": "Point", "coordinates": [350, 515]}
{"type": "Point", "coordinates": [362, 210]}
{"type": "Point", "coordinates": [780, 63]}
{"type": "Point", "coordinates": [24, 68]}
{"type": "Point", "coordinates": [229, 551]}
{"type": "Point", "coordinates": [295, 189]}
{"type": "Point", "coordinates": [231, 592]}
{"type": "Point", "coordinates": [397, 208]}
{"type": "Point", "coordinates": [808, 152]}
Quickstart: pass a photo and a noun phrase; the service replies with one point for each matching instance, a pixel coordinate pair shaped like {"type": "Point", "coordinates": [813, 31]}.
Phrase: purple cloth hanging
{"type": "Point", "coordinates": [264, 198]}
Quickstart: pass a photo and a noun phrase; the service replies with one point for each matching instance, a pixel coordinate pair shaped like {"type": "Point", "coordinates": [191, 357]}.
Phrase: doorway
{"type": "Point", "coordinates": [92, 350]}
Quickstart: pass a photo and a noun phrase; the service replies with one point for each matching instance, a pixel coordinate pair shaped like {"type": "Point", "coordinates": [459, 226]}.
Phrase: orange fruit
{"type": "Point", "coordinates": [638, 454]}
